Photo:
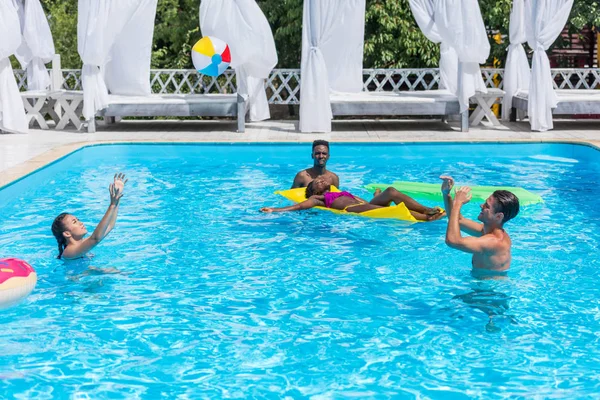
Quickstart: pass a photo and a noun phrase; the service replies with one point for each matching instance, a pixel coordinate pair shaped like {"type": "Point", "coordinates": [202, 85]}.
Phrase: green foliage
{"type": "Point", "coordinates": [585, 12]}
{"type": "Point", "coordinates": [175, 33]}
{"type": "Point", "coordinates": [62, 17]}
{"type": "Point", "coordinates": [285, 18]}
{"type": "Point", "coordinates": [392, 37]}
{"type": "Point", "coordinates": [496, 17]}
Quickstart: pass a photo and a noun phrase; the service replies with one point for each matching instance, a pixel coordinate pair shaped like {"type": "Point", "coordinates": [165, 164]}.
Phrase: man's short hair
{"type": "Point", "coordinates": [506, 203]}
{"type": "Point", "coordinates": [320, 143]}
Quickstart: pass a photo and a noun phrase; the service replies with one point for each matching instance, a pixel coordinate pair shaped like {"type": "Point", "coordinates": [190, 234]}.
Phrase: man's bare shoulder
{"type": "Point", "coordinates": [497, 240]}
{"type": "Point", "coordinates": [302, 178]}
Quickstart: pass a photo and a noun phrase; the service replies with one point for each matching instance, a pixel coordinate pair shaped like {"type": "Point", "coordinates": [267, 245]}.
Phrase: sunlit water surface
{"type": "Point", "coordinates": [215, 299]}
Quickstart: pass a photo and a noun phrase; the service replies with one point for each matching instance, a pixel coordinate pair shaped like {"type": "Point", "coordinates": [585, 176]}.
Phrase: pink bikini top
{"type": "Point", "coordinates": [330, 197]}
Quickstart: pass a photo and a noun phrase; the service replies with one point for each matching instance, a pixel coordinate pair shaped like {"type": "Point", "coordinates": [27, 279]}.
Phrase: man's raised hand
{"type": "Point", "coordinates": [447, 184]}
{"type": "Point", "coordinates": [462, 195]}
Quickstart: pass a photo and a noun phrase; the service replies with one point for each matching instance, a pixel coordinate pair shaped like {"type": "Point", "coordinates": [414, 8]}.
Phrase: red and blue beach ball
{"type": "Point", "coordinates": [211, 56]}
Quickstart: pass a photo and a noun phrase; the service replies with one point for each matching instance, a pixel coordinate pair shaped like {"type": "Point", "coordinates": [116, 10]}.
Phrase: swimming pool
{"type": "Point", "coordinates": [215, 299]}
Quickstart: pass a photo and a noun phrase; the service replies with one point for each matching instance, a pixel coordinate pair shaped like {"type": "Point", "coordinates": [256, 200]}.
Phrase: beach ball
{"type": "Point", "coordinates": [17, 280]}
{"type": "Point", "coordinates": [211, 56]}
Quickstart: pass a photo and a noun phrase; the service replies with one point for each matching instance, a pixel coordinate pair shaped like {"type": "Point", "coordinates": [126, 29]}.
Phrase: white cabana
{"type": "Point", "coordinates": [516, 70]}
{"type": "Point", "coordinates": [244, 27]}
{"type": "Point", "coordinates": [37, 46]}
{"type": "Point", "coordinates": [12, 113]}
{"type": "Point", "coordinates": [332, 54]}
{"type": "Point", "coordinates": [545, 20]}
{"type": "Point", "coordinates": [114, 40]}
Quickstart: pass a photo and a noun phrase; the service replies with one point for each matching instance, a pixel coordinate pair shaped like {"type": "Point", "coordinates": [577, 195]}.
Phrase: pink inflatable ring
{"type": "Point", "coordinates": [17, 280]}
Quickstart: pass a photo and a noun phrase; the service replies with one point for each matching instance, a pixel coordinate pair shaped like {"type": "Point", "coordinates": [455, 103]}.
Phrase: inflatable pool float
{"type": "Point", "coordinates": [393, 212]}
{"type": "Point", "coordinates": [17, 280]}
{"type": "Point", "coordinates": [431, 191]}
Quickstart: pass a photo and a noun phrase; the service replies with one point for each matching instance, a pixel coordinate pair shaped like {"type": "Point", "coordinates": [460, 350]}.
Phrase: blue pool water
{"type": "Point", "coordinates": [217, 300]}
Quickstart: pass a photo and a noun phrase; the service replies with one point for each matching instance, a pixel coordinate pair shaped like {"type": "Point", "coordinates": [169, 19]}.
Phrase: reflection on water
{"type": "Point", "coordinates": [488, 299]}
{"type": "Point", "coordinates": [225, 301]}
{"type": "Point", "coordinates": [81, 271]}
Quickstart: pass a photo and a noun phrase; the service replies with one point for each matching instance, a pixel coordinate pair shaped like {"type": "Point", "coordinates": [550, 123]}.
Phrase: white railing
{"type": "Point", "coordinates": [283, 85]}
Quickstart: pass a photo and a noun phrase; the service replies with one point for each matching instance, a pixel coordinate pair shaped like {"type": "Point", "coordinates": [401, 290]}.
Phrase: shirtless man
{"type": "Point", "coordinates": [320, 155]}
{"type": "Point", "coordinates": [491, 245]}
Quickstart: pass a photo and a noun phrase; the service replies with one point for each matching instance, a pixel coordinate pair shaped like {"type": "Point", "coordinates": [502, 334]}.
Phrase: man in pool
{"type": "Point", "coordinates": [320, 155]}
{"type": "Point", "coordinates": [491, 244]}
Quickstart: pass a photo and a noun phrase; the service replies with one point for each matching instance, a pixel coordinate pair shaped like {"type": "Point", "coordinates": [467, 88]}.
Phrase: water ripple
{"type": "Point", "coordinates": [213, 299]}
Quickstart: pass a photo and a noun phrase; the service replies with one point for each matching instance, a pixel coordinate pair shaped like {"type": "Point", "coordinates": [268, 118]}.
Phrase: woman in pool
{"type": "Point", "coordinates": [69, 231]}
{"type": "Point", "coordinates": [318, 194]}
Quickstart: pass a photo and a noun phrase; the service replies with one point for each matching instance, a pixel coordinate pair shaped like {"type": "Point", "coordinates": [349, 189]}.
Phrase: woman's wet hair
{"type": "Point", "coordinates": [309, 190]}
{"type": "Point", "coordinates": [506, 203]}
{"type": "Point", "coordinates": [58, 227]}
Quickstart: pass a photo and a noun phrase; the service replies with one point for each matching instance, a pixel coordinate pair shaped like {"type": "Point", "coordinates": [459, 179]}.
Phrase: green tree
{"type": "Point", "coordinates": [175, 33]}
{"type": "Point", "coordinates": [285, 18]}
{"type": "Point", "coordinates": [62, 18]}
{"type": "Point", "coordinates": [392, 37]}
{"type": "Point", "coordinates": [585, 12]}
{"type": "Point", "coordinates": [496, 15]}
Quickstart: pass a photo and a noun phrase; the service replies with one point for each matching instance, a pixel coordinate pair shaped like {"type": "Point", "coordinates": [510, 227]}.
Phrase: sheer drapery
{"type": "Point", "coordinates": [545, 20]}
{"type": "Point", "coordinates": [332, 52]}
{"type": "Point", "coordinates": [128, 69]}
{"type": "Point", "coordinates": [516, 70]}
{"type": "Point", "coordinates": [422, 11]}
{"type": "Point", "coordinates": [37, 46]}
{"type": "Point", "coordinates": [100, 24]}
{"type": "Point", "coordinates": [244, 27]}
{"type": "Point", "coordinates": [460, 23]}
{"type": "Point", "coordinates": [12, 112]}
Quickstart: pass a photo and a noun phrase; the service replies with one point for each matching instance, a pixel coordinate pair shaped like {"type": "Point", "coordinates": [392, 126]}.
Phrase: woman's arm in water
{"type": "Point", "coordinates": [78, 249]}
{"type": "Point", "coordinates": [313, 201]}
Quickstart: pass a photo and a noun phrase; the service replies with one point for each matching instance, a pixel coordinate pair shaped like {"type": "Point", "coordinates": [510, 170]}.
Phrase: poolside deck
{"type": "Point", "coordinates": [22, 154]}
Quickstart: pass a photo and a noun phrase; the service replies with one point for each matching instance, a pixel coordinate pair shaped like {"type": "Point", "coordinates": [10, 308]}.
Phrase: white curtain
{"type": "Point", "coordinates": [422, 10]}
{"type": "Point", "coordinates": [460, 23]}
{"type": "Point", "coordinates": [12, 112]}
{"type": "Point", "coordinates": [244, 27]}
{"type": "Point", "coordinates": [516, 70]}
{"type": "Point", "coordinates": [545, 21]}
{"type": "Point", "coordinates": [100, 24]}
{"type": "Point", "coordinates": [128, 69]}
{"type": "Point", "coordinates": [37, 46]}
{"type": "Point", "coordinates": [332, 52]}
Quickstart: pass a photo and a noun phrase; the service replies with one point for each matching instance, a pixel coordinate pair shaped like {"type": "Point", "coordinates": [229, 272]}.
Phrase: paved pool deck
{"type": "Point", "coordinates": [21, 154]}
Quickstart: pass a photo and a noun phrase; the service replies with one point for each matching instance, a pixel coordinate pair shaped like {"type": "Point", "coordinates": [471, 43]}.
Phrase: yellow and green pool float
{"type": "Point", "coordinates": [398, 211]}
